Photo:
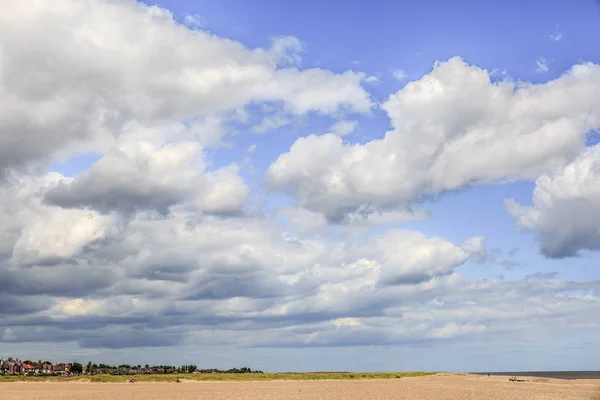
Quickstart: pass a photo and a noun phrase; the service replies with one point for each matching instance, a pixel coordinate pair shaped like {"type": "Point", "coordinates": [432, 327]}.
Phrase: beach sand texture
{"type": "Point", "coordinates": [431, 387]}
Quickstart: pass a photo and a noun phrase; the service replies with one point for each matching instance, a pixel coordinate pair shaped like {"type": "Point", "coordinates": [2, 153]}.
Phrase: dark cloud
{"type": "Point", "coordinates": [216, 287]}
{"type": "Point", "coordinates": [141, 337]}
{"type": "Point", "coordinates": [15, 305]}
{"type": "Point", "coordinates": [565, 214]}
{"type": "Point", "coordinates": [110, 195]}
{"type": "Point", "coordinates": [414, 278]}
{"type": "Point", "coordinates": [64, 280]}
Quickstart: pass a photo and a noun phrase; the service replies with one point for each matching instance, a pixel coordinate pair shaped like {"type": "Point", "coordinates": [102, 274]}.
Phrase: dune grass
{"type": "Point", "coordinates": [291, 376]}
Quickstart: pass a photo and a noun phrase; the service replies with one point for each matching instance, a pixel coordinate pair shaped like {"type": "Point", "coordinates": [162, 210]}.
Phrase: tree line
{"type": "Point", "coordinates": [93, 368]}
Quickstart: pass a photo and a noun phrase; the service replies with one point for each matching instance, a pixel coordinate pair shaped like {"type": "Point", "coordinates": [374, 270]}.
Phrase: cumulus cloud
{"type": "Point", "coordinates": [305, 221]}
{"type": "Point", "coordinates": [141, 176]}
{"type": "Point", "coordinates": [372, 80]}
{"type": "Point", "coordinates": [271, 122]}
{"type": "Point", "coordinates": [368, 216]}
{"type": "Point", "coordinates": [152, 270]}
{"type": "Point", "coordinates": [59, 235]}
{"type": "Point", "coordinates": [106, 64]}
{"type": "Point", "coordinates": [286, 48]}
{"type": "Point", "coordinates": [194, 20]}
{"type": "Point", "coordinates": [565, 214]}
{"type": "Point", "coordinates": [33, 233]}
{"type": "Point", "coordinates": [343, 128]}
{"type": "Point", "coordinates": [399, 74]}
{"type": "Point", "coordinates": [239, 281]}
{"type": "Point", "coordinates": [133, 177]}
{"type": "Point", "coordinates": [452, 128]}
{"type": "Point", "coordinates": [225, 192]}
{"type": "Point", "coordinates": [302, 220]}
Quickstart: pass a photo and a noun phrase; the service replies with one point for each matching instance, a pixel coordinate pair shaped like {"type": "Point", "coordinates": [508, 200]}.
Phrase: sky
{"type": "Point", "coordinates": [301, 185]}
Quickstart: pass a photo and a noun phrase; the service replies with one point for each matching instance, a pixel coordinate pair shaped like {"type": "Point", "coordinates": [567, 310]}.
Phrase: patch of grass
{"type": "Point", "coordinates": [287, 376]}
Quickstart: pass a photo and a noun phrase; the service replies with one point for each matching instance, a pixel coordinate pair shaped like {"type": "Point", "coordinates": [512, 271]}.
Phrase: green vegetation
{"type": "Point", "coordinates": [76, 368]}
{"type": "Point", "coordinates": [292, 376]}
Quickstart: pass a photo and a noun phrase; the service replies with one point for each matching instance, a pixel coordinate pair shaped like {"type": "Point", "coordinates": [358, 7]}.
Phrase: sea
{"type": "Point", "coordinates": [549, 374]}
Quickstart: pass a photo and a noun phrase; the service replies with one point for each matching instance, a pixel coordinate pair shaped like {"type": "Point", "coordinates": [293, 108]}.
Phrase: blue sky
{"type": "Point", "coordinates": [152, 217]}
{"type": "Point", "coordinates": [411, 36]}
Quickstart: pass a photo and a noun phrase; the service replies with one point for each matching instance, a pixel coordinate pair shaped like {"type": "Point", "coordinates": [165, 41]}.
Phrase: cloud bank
{"type": "Point", "coordinates": [155, 244]}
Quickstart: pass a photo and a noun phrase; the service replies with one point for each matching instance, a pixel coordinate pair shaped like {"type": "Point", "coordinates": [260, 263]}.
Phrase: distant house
{"type": "Point", "coordinates": [47, 368]}
{"type": "Point", "coordinates": [11, 366]}
{"type": "Point", "coordinates": [27, 369]}
{"type": "Point", "coordinates": [61, 368]}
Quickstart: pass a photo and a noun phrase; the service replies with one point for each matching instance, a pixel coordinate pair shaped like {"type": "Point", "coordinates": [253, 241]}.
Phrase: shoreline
{"type": "Point", "coordinates": [564, 375]}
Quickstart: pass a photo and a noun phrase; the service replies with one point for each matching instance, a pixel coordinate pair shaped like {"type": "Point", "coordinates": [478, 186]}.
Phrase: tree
{"type": "Point", "coordinates": [89, 367]}
{"type": "Point", "coordinates": [77, 368]}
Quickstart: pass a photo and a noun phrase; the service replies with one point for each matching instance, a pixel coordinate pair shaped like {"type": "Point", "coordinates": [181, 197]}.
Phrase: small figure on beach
{"type": "Point", "coordinates": [177, 380]}
{"type": "Point", "coordinates": [131, 380]}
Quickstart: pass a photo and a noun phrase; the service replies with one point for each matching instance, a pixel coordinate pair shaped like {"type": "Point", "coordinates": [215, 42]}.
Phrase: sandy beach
{"type": "Point", "coordinates": [430, 387]}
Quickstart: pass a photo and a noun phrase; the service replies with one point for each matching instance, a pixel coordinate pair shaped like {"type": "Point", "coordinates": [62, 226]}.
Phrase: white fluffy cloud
{"type": "Point", "coordinates": [399, 74]}
{"type": "Point", "coordinates": [141, 176]}
{"type": "Point", "coordinates": [72, 72]}
{"type": "Point", "coordinates": [451, 128]}
{"type": "Point", "coordinates": [343, 128]}
{"type": "Point", "coordinates": [224, 192]}
{"type": "Point", "coordinates": [565, 213]}
{"type": "Point", "coordinates": [59, 235]}
{"type": "Point", "coordinates": [134, 176]}
{"type": "Point", "coordinates": [35, 233]}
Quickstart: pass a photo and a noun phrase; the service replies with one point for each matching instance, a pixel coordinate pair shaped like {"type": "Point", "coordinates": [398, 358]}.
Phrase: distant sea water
{"type": "Point", "coordinates": [550, 374]}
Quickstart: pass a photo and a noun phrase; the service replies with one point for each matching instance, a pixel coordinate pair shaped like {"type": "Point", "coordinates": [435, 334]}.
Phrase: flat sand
{"type": "Point", "coordinates": [430, 387]}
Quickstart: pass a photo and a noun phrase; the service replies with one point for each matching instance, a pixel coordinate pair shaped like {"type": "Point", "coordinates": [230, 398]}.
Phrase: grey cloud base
{"type": "Point", "coordinates": [566, 207]}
